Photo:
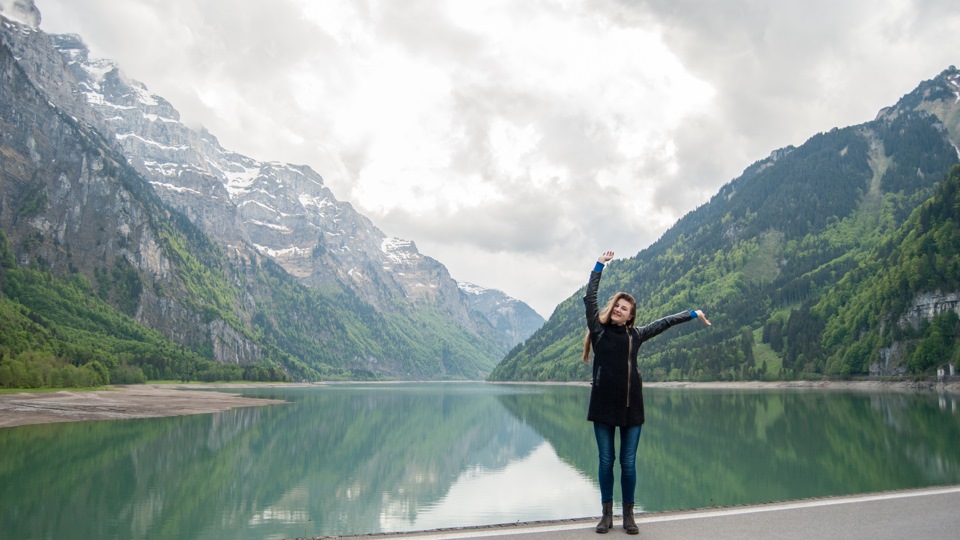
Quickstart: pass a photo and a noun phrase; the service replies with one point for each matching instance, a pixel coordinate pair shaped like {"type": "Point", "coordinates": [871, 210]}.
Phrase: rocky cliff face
{"type": "Point", "coordinates": [23, 11]}
{"type": "Point", "coordinates": [928, 305]}
{"type": "Point", "coordinates": [251, 208]}
{"type": "Point", "coordinates": [70, 205]}
{"type": "Point", "coordinates": [893, 359]}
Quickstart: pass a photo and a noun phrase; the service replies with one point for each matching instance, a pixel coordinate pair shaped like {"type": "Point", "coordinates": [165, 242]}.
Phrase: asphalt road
{"type": "Point", "coordinates": [922, 514]}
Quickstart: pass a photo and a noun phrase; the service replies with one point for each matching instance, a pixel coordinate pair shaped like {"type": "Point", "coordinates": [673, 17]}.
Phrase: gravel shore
{"type": "Point", "coordinates": [118, 402]}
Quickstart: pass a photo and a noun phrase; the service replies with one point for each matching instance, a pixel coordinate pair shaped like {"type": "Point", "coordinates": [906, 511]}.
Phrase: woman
{"type": "Point", "coordinates": [616, 396]}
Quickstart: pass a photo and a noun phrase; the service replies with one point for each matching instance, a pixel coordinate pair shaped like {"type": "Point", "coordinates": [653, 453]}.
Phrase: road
{"type": "Point", "coordinates": [921, 514]}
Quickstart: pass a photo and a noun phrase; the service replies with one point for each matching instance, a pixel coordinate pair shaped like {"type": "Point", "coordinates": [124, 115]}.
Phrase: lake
{"type": "Point", "coordinates": [367, 458]}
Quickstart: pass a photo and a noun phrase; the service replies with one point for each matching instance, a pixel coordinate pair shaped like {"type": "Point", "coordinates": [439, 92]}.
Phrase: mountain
{"type": "Point", "coordinates": [508, 315]}
{"type": "Point", "coordinates": [786, 258]}
{"type": "Point", "coordinates": [284, 211]}
{"type": "Point", "coordinates": [106, 194]}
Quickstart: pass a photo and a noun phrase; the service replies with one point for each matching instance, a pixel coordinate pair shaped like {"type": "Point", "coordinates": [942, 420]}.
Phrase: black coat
{"type": "Point", "coordinates": [616, 395]}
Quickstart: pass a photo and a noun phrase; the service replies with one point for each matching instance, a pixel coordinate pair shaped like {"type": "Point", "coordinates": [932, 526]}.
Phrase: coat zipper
{"type": "Point", "coordinates": [629, 367]}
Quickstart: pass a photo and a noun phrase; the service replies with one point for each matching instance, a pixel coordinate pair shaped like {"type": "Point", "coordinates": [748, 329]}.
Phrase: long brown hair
{"type": "Point", "coordinates": [605, 319]}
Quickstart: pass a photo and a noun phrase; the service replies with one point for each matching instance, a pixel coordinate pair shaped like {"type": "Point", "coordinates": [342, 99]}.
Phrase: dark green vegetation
{"type": "Point", "coordinates": [63, 332]}
{"type": "Point", "coordinates": [813, 263]}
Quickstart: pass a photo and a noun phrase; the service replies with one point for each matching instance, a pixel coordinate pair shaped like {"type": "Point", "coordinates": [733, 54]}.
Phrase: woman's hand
{"type": "Point", "coordinates": [606, 257]}
{"type": "Point", "coordinates": [703, 318]}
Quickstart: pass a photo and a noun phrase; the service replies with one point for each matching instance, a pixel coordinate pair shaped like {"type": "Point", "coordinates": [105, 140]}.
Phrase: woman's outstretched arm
{"type": "Point", "coordinates": [590, 303]}
{"type": "Point", "coordinates": [658, 326]}
{"type": "Point", "coordinates": [590, 297]}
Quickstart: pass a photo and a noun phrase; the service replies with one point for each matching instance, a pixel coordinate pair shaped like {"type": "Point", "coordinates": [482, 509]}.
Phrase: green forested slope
{"type": "Point", "coordinates": [866, 313]}
{"type": "Point", "coordinates": [767, 257]}
{"type": "Point", "coordinates": [69, 332]}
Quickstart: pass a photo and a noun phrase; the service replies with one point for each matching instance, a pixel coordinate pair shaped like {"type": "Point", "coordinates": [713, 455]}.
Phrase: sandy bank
{"type": "Point", "coordinates": [118, 402]}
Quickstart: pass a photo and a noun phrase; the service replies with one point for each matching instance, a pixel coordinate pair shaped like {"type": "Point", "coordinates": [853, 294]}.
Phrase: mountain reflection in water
{"type": "Point", "coordinates": [354, 459]}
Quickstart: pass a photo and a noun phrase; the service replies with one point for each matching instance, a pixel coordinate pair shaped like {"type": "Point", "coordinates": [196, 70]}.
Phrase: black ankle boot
{"type": "Point", "coordinates": [629, 524]}
{"type": "Point", "coordinates": [606, 521]}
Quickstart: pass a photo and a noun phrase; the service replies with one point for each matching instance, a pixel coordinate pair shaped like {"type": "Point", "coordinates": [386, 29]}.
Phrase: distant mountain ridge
{"type": "Point", "coordinates": [254, 212]}
{"type": "Point", "coordinates": [771, 255]}
{"type": "Point", "coordinates": [507, 314]}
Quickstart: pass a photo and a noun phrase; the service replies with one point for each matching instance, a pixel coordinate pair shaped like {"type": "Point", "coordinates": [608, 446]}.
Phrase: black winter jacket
{"type": "Point", "coordinates": [616, 396]}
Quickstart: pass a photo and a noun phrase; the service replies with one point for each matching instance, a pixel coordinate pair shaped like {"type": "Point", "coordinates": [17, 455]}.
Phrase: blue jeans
{"type": "Point", "coordinates": [629, 438]}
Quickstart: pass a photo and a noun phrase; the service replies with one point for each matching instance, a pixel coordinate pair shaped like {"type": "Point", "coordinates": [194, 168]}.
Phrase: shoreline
{"type": "Point", "coordinates": [171, 399]}
{"type": "Point", "coordinates": [950, 387]}
{"type": "Point", "coordinates": [120, 403]}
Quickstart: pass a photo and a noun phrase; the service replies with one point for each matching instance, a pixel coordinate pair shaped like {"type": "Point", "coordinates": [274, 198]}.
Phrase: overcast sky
{"type": "Point", "coordinates": [515, 140]}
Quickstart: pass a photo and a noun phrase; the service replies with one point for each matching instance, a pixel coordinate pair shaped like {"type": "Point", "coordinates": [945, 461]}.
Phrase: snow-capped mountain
{"type": "Point", "coordinates": [507, 314]}
{"type": "Point", "coordinates": [250, 207]}
{"type": "Point", "coordinates": [284, 211]}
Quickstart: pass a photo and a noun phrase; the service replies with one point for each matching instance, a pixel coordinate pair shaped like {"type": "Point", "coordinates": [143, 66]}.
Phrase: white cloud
{"type": "Point", "coordinates": [514, 141]}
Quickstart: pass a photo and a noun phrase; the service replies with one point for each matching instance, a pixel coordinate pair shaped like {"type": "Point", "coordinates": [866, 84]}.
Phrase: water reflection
{"type": "Point", "coordinates": [949, 402]}
{"type": "Point", "coordinates": [536, 487]}
{"type": "Point", "coordinates": [720, 447]}
{"type": "Point", "coordinates": [357, 459]}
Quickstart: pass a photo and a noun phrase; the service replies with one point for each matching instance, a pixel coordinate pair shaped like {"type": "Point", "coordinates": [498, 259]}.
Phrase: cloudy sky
{"type": "Point", "coordinates": [515, 140]}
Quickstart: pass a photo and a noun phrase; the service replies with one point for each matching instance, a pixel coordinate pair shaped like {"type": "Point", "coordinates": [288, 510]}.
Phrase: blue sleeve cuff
{"type": "Point", "coordinates": [693, 314]}
{"type": "Point", "coordinates": [598, 267]}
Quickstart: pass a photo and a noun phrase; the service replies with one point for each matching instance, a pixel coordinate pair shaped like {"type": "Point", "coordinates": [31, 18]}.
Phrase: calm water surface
{"type": "Point", "coordinates": [350, 459]}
